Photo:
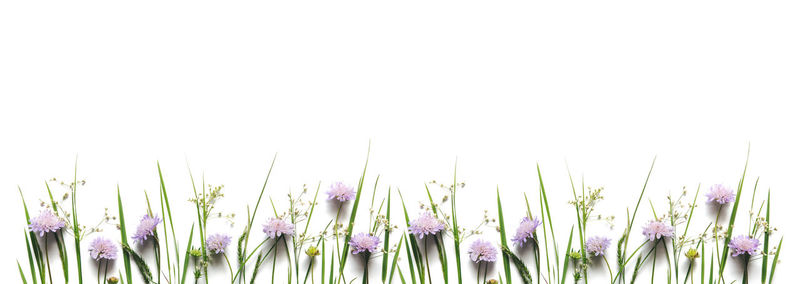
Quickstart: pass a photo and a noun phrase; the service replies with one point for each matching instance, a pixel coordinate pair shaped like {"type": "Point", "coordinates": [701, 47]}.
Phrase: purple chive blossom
{"type": "Point", "coordinates": [655, 230]}
{"type": "Point", "coordinates": [46, 222]}
{"type": "Point", "coordinates": [341, 192]}
{"type": "Point", "coordinates": [481, 250]}
{"type": "Point", "coordinates": [363, 242]}
{"type": "Point", "coordinates": [744, 244]}
{"type": "Point", "coordinates": [147, 227]}
{"type": "Point", "coordinates": [597, 245]}
{"type": "Point", "coordinates": [217, 243]}
{"type": "Point", "coordinates": [277, 227]}
{"type": "Point", "coordinates": [102, 248]}
{"type": "Point", "coordinates": [526, 230]}
{"type": "Point", "coordinates": [426, 224]}
{"type": "Point", "coordinates": [720, 194]}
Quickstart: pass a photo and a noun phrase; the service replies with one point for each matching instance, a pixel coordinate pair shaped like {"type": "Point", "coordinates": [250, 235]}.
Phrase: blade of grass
{"type": "Point", "coordinates": [30, 238]}
{"type": "Point", "coordinates": [353, 216]}
{"type": "Point", "coordinates": [124, 238]}
{"type": "Point", "coordinates": [521, 268]}
{"type": "Point", "coordinates": [456, 237]}
{"type": "Point", "coordinates": [169, 215]}
{"type": "Point", "coordinates": [140, 263]}
{"type": "Point", "coordinates": [386, 235]}
{"type": "Point", "coordinates": [506, 265]}
{"type": "Point", "coordinates": [396, 256]}
{"type": "Point", "coordinates": [724, 255]}
{"type": "Point", "coordinates": [75, 226]}
{"type": "Point", "coordinates": [765, 261]}
{"type": "Point", "coordinates": [775, 260]}
{"type": "Point", "coordinates": [186, 256]}
{"type": "Point", "coordinates": [566, 256]}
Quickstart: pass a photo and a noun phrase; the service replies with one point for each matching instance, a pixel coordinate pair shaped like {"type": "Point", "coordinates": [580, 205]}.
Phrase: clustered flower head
{"type": "Point", "coordinates": [692, 254]}
{"type": "Point", "coordinates": [744, 244]}
{"type": "Point", "coordinates": [656, 229]}
{"type": "Point", "coordinates": [147, 227]}
{"type": "Point", "coordinates": [312, 251]}
{"type": "Point", "coordinates": [217, 243]}
{"type": "Point", "coordinates": [341, 192]}
{"type": "Point", "coordinates": [597, 245]}
{"type": "Point", "coordinates": [46, 222]}
{"type": "Point", "coordinates": [363, 242]}
{"type": "Point", "coordinates": [276, 227]}
{"type": "Point", "coordinates": [720, 194]}
{"type": "Point", "coordinates": [426, 224]}
{"type": "Point", "coordinates": [526, 230]}
{"type": "Point", "coordinates": [102, 248]}
{"type": "Point", "coordinates": [481, 250]}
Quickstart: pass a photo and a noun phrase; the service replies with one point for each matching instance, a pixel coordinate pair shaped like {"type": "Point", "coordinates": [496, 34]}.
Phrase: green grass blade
{"type": "Point", "coordinates": [353, 216]}
{"type": "Point", "coordinates": [75, 226]}
{"type": "Point", "coordinates": [396, 257]}
{"type": "Point", "coordinates": [775, 260]}
{"type": "Point", "coordinates": [186, 256]}
{"type": "Point", "coordinates": [549, 219]}
{"type": "Point", "coordinates": [456, 237]}
{"type": "Point", "coordinates": [724, 255]}
{"type": "Point", "coordinates": [30, 239]}
{"type": "Point", "coordinates": [506, 265]}
{"type": "Point", "coordinates": [21, 274]}
{"type": "Point", "coordinates": [124, 238]}
{"type": "Point", "coordinates": [765, 261]}
{"type": "Point", "coordinates": [566, 256]}
{"type": "Point", "coordinates": [386, 235]}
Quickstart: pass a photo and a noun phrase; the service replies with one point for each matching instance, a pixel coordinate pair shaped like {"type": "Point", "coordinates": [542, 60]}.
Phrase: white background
{"type": "Point", "coordinates": [601, 86]}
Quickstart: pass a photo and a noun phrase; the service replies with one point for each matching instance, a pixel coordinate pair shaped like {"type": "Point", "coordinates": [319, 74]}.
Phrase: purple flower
{"type": "Point", "coordinates": [276, 227]}
{"type": "Point", "coordinates": [426, 224]}
{"type": "Point", "coordinates": [655, 230]}
{"type": "Point", "coordinates": [526, 230]}
{"type": "Point", "coordinates": [362, 242]}
{"type": "Point", "coordinates": [341, 192]}
{"type": "Point", "coordinates": [481, 250]}
{"type": "Point", "coordinates": [217, 243]}
{"type": "Point", "coordinates": [102, 248]}
{"type": "Point", "coordinates": [147, 227]}
{"type": "Point", "coordinates": [597, 245]}
{"type": "Point", "coordinates": [46, 222]}
{"type": "Point", "coordinates": [744, 244]}
{"type": "Point", "coordinates": [720, 194]}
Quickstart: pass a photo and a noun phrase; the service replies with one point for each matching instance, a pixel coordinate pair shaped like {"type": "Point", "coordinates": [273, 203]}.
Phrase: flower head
{"type": "Point", "coordinates": [102, 248]}
{"type": "Point", "coordinates": [720, 194]}
{"type": "Point", "coordinates": [147, 227]}
{"type": "Point", "coordinates": [597, 245]}
{"type": "Point", "coordinates": [744, 244]}
{"type": "Point", "coordinates": [526, 230]}
{"type": "Point", "coordinates": [481, 250]}
{"type": "Point", "coordinates": [341, 192]}
{"type": "Point", "coordinates": [46, 222]}
{"type": "Point", "coordinates": [426, 224]}
{"type": "Point", "coordinates": [692, 254]}
{"type": "Point", "coordinates": [113, 280]}
{"type": "Point", "coordinates": [312, 251]}
{"type": "Point", "coordinates": [276, 227]}
{"type": "Point", "coordinates": [217, 243]}
{"type": "Point", "coordinates": [656, 229]}
{"type": "Point", "coordinates": [362, 242]}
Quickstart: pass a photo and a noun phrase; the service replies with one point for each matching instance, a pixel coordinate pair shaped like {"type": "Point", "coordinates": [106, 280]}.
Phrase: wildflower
{"type": "Point", "coordinates": [692, 254]}
{"type": "Point", "coordinates": [102, 248]}
{"type": "Point", "coordinates": [720, 194]}
{"type": "Point", "coordinates": [656, 229]}
{"type": "Point", "coordinates": [341, 192]}
{"type": "Point", "coordinates": [526, 230]}
{"type": "Point", "coordinates": [492, 281]}
{"type": "Point", "coordinates": [195, 252]}
{"type": "Point", "coordinates": [597, 245]}
{"type": "Point", "coordinates": [744, 244]}
{"type": "Point", "coordinates": [216, 243]}
{"type": "Point", "coordinates": [147, 227]}
{"type": "Point", "coordinates": [276, 227]}
{"type": "Point", "coordinates": [312, 251]}
{"type": "Point", "coordinates": [362, 242]}
{"type": "Point", "coordinates": [575, 254]}
{"type": "Point", "coordinates": [426, 224]}
{"type": "Point", "coordinates": [481, 250]}
{"type": "Point", "coordinates": [46, 222]}
{"type": "Point", "coordinates": [113, 280]}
